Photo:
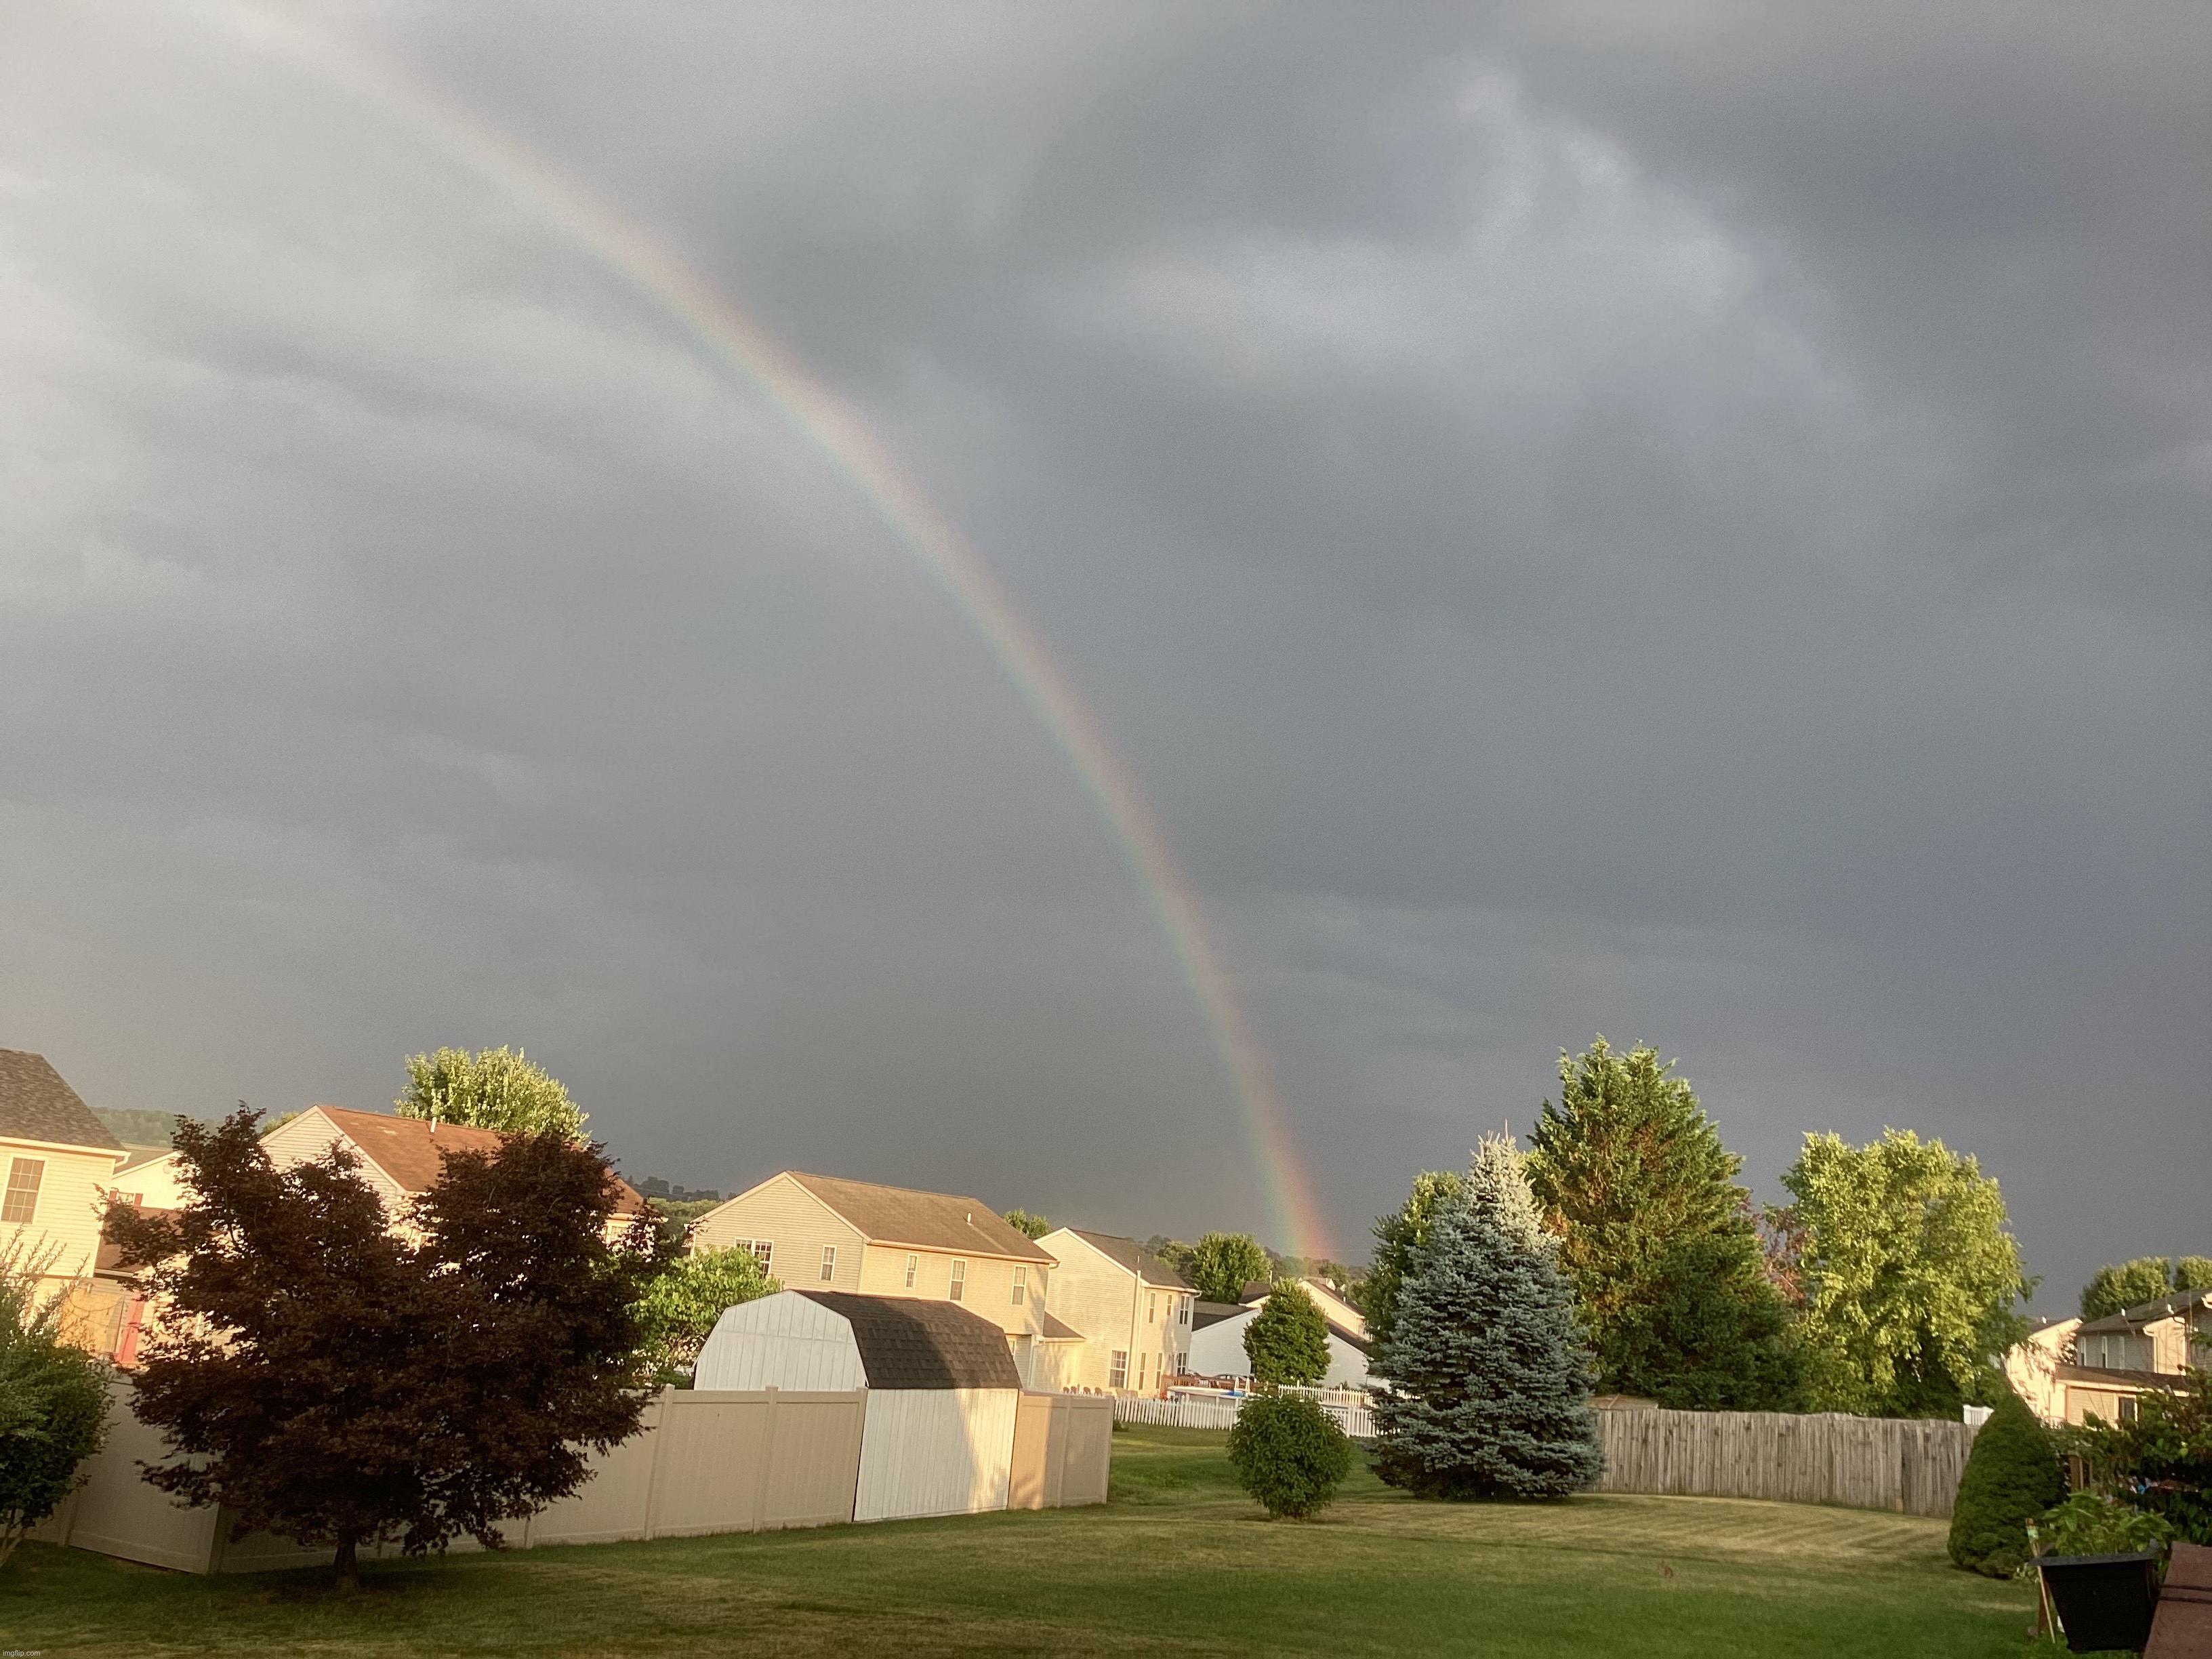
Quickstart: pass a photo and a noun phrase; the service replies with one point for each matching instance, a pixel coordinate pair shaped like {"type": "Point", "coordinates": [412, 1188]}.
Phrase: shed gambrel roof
{"type": "Point", "coordinates": [1129, 1253]}
{"type": "Point", "coordinates": [36, 1105]}
{"type": "Point", "coordinates": [909, 1343]}
{"type": "Point", "coordinates": [935, 1221]}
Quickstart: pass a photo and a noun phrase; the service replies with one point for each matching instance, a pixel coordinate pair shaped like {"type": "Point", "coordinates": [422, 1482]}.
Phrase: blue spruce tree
{"type": "Point", "coordinates": [1488, 1382]}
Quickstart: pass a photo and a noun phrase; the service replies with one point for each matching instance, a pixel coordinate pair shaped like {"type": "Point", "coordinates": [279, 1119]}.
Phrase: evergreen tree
{"type": "Point", "coordinates": [1399, 1238]}
{"type": "Point", "coordinates": [1658, 1238]}
{"type": "Point", "coordinates": [1486, 1383]}
{"type": "Point", "coordinates": [1287, 1341]}
{"type": "Point", "coordinates": [2011, 1477]}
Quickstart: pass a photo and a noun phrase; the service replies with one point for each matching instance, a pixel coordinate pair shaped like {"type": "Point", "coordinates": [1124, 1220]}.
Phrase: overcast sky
{"type": "Point", "coordinates": [1691, 521]}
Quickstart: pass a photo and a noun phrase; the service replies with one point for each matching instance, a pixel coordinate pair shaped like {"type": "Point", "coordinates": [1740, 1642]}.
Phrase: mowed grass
{"type": "Point", "coordinates": [1179, 1560]}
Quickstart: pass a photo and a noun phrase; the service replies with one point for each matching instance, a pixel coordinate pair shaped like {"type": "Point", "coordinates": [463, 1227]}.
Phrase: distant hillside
{"type": "Point", "coordinates": [136, 1129]}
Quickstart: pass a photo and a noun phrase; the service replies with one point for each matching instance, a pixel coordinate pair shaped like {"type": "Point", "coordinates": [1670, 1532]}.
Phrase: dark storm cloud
{"type": "Point", "coordinates": [1689, 522]}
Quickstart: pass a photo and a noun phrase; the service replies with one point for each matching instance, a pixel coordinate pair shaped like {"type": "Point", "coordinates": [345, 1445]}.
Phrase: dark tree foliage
{"type": "Point", "coordinates": [1287, 1341]}
{"type": "Point", "coordinates": [53, 1398]}
{"type": "Point", "coordinates": [331, 1382]}
{"type": "Point", "coordinates": [1289, 1454]}
{"type": "Point", "coordinates": [1658, 1239]}
{"type": "Point", "coordinates": [1488, 1384]}
{"type": "Point", "coordinates": [1398, 1239]}
{"type": "Point", "coordinates": [2012, 1476]}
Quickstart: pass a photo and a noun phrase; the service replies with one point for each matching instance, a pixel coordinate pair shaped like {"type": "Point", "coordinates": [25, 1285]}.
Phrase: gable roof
{"type": "Point", "coordinates": [1203, 1313]}
{"type": "Point", "coordinates": [936, 1221]}
{"type": "Point", "coordinates": [141, 1157]}
{"type": "Point", "coordinates": [2132, 1320]}
{"type": "Point", "coordinates": [412, 1150]}
{"type": "Point", "coordinates": [35, 1104]}
{"type": "Point", "coordinates": [905, 1342]}
{"type": "Point", "coordinates": [1129, 1253]}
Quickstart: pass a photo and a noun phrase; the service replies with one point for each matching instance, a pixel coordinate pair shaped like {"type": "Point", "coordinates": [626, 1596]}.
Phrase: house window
{"type": "Point", "coordinates": [2127, 1409]}
{"type": "Point", "coordinates": [829, 1262]}
{"type": "Point", "coordinates": [959, 1281]}
{"type": "Point", "coordinates": [913, 1270]}
{"type": "Point", "coordinates": [23, 1177]}
{"type": "Point", "coordinates": [763, 1252]}
{"type": "Point", "coordinates": [1021, 1285]}
{"type": "Point", "coordinates": [1117, 1373]}
{"type": "Point", "coordinates": [1183, 1364]}
{"type": "Point", "coordinates": [1183, 1310]}
{"type": "Point", "coordinates": [1144, 1364]}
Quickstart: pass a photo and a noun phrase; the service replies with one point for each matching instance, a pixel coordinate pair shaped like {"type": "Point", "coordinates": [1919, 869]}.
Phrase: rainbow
{"type": "Point", "coordinates": [658, 274]}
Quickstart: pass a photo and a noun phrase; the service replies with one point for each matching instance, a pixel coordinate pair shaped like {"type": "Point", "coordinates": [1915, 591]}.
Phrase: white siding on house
{"type": "Point", "coordinates": [1218, 1350]}
{"type": "Point", "coordinates": [935, 1451]}
{"type": "Point", "coordinates": [308, 1136]}
{"type": "Point", "coordinates": [780, 1341]}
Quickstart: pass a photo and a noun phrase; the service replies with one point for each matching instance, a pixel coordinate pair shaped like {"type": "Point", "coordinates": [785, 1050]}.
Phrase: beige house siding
{"type": "Point", "coordinates": [310, 1135]}
{"type": "Point", "coordinates": [797, 1224]}
{"type": "Point", "coordinates": [64, 1220]}
{"type": "Point", "coordinates": [154, 1185]}
{"type": "Point", "coordinates": [1116, 1311]}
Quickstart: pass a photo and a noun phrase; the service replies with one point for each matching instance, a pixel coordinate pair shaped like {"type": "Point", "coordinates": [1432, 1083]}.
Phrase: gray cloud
{"type": "Point", "coordinates": [1680, 521]}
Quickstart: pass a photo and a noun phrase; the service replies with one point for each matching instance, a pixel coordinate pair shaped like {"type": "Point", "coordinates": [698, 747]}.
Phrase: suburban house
{"type": "Point", "coordinates": [821, 1233]}
{"type": "Point", "coordinates": [1133, 1309]}
{"type": "Point", "coordinates": [2070, 1368]}
{"type": "Point", "coordinates": [58, 1159]}
{"type": "Point", "coordinates": [1217, 1348]}
{"type": "Point", "coordinates": [401, 1158]}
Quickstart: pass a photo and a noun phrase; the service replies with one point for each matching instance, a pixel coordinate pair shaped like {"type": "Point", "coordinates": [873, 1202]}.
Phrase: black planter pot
{"type": "Point", "coordinates": [2104, 1601]}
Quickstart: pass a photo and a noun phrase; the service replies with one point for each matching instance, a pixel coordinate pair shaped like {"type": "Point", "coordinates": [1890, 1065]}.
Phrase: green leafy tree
{"type": "Point", "coordinates": [1172, 1251]}
{"type": "Point", "coordinates": [1658, 1238]}
{"type": "Point", "coordinates": [2123, 1285]}
{"type": "Point", "coordinates": [53, 1399]}
{"type": "Point", "coordinates": [1486, 1381]}
{"type": "Point", "coordinates": [329, 1380]}
{"type": "Point", "coordinates": [1287, 1341]}
{"type": "Point", "coordinates": [2011, 1477]}
{"type": "Point", "coordinates": [497, 1089]}
{"type": "Point", "coordinates": [2193, 1273]}
{"type": "Point", "coordinates": [1399, 1238]}
{"type": "Point", "coordinates": [1911, 1276]}
{"type": "Point", "coordinates": [1029, 1226]}
{"type": "Point", "coordinates": [1220, 1265]}
{"type": "Point", "coordinates": [1289, 1454]}
{"type": "Point", "coordinates": [682, 1301]}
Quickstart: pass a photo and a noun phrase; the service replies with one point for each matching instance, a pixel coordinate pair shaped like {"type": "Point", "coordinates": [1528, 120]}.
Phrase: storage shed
{"type": "Point", "coordinates": [937, 1435]}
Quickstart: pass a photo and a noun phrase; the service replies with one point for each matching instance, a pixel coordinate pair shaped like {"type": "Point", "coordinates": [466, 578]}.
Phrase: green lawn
{"type": "Point", "coordinates": [1179, 1559]}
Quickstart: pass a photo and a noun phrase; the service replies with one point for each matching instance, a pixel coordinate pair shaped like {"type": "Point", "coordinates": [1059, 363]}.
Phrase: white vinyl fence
{"type": "Point", "coordinates": [1219, 1412]}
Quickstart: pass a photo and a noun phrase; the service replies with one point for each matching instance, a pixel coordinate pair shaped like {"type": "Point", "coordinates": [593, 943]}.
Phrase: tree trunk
{"type": "Point", "coordinates": [348, 1565]}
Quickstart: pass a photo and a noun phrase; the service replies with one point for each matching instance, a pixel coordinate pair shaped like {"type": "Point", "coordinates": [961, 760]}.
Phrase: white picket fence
{"type": "Point", "coordinates": [1355, 1420]}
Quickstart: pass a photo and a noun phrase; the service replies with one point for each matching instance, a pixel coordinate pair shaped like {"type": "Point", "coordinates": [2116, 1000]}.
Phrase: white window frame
{"type": "Point", "coordinates": [25, 1176]}
{"type": "Point", "coordinates": [959, 1290]}
{"type": "Point", "coordinates": [829, 1264]}
{"type": "Point", "coordinates": [1152, 1308]}
{"type": "Point", "coordinates": [1117, 1368]}
{"type": "Point", "coordinates": [763, 1252]}
{"type": "Point", "coordinates": [1021, 1283]}
{"type": "Point", "coordinates": [913, 1270]}
{"type": "Point", "coordinates": [1183, 1364]}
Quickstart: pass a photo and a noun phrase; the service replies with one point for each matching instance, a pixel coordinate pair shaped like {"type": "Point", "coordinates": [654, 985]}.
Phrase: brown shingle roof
{"type": "Point", "coordinates": [1134, 1256]}
{"type": "Point", "coordinates": [935, 1221]}
{"type": "Point", "coordinates": [35, 1104]}
{"type": "Point", "coordinates": [412, 1151]}
{"type": "Point", "coordinates": [908, 1342]}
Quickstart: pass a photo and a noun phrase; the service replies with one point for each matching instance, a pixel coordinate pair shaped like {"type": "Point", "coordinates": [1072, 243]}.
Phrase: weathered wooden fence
{"type": "Point", "coordinates": [1855, 1462]}
{"type": "Point", "coordinates": [1911, 1466]}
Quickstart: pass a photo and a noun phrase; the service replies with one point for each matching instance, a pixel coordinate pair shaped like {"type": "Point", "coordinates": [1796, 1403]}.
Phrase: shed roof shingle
{"type": "Point", "coordinates": [936, 1221]}
{"type": "Point", "coordinates": [36, 1105]}
{"type": "Point", "coordinates": [909, 1343]}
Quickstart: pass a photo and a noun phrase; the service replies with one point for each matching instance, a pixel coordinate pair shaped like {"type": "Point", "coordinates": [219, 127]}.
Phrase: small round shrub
{"type": "Point", "coordinates": [1289, 1454]}
{"type": "Point", "coordinates": [2012, 1476]}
